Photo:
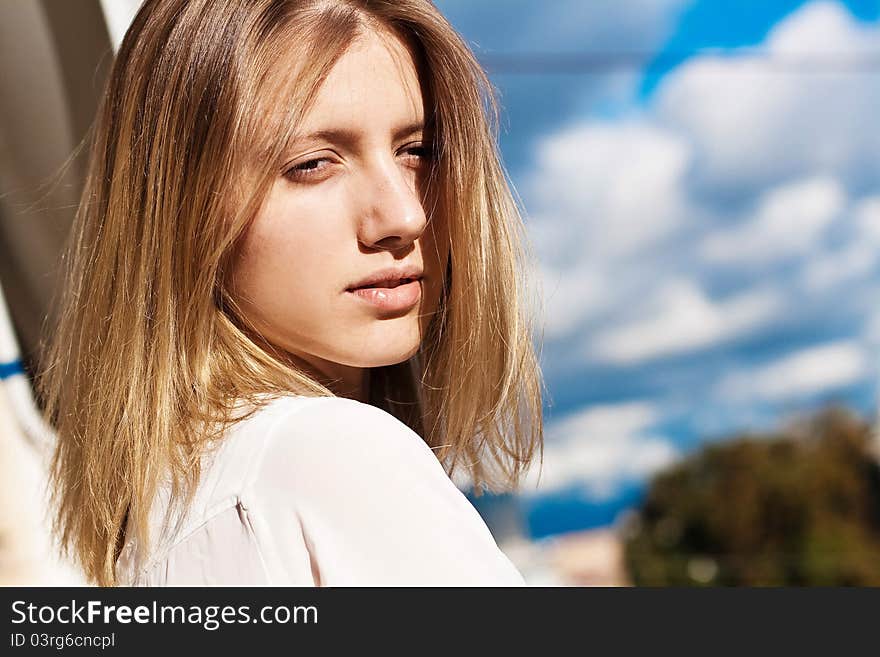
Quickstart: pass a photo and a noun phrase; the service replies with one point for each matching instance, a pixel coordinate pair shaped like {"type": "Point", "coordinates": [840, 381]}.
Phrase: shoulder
{"type": "Point", "coordinates": [308, 446]}
{"type": "Point", "coordinates": [323, 420]}
{"type": "Point", "coordinates": [371, 501]}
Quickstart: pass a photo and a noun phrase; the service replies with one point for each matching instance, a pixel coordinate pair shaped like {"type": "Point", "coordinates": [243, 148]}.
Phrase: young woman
{"type": "Point", "coordinates": [294, 305]}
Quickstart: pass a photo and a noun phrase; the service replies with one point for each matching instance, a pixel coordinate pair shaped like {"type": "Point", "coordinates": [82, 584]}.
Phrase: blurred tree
{"type": "Point", "coordinates": [801, 507]}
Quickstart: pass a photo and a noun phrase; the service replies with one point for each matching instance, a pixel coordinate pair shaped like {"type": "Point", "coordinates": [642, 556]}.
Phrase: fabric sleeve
{"type": "Point", "coordinates": [370, 502]}
{"type": "Point", "coordinates": [219, 552]}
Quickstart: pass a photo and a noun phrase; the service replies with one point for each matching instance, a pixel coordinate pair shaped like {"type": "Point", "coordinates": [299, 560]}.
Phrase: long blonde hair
{"type": "Point", "coordinates": [149, 359]}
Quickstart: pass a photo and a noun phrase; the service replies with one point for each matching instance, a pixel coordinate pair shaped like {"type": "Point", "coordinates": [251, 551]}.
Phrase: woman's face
{"type": "Point", "coordinates": [348, 207]}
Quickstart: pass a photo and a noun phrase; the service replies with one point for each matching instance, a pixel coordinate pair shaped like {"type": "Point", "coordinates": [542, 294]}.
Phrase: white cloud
{"type": "Point", "coordinates": [856, 255]}
{"type": "Point", "coordinates": [572, 295]}
{"type": "Point", "coordinates": [599, 448]}
{"type": "Point", "coordinates": [604, 419]}
{"type": "Point", "coordinates": [836, 268]}
{"type": "Point", "coordinates": [738, 169]}
{"type": "Point", "coordinates": [790, 220]}
{"type": "Point", "coordinates": [604, 194]}
{"type": "Point", "coordinates": [682, 318]}
{"type": "Point", "coordinates": [872, 333]}
{"type": "Point", "coordinates": [617, 186]}
{"type": "Point", "coordinates": [867, 220]}
{"type": "Point", "coordinates": [754, 122]}
{"type": "Point", "coordinates": [822, 28]}
{"type": "Point", "coordinates": [819, 369]}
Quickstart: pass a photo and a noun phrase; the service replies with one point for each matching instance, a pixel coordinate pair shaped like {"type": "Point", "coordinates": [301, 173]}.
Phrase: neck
{"type": "Point", "coordinates": [353, 383]}
{"type": "Point", "coordinates": [343, 380]}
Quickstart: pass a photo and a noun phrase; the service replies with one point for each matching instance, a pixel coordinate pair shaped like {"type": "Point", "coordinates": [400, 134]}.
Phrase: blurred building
{"type": "Point", "coordinates": [585, 558]}
{"type": "Point", "coordinates": [590, 558]}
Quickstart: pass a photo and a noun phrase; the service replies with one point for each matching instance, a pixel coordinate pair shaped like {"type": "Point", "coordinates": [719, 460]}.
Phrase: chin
{"type": "Point", "coordinates": [388, 342]}
{"type": "Point", "coordinates": [387, 356]}
{"type": "Point", "coordinates": [381, 350]}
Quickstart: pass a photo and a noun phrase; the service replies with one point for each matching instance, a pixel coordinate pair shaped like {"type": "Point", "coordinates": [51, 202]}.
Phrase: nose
{"type": "Point", "coordinates": [392, 215]}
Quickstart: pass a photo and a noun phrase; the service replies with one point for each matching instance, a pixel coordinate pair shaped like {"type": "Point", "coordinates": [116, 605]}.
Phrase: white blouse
{"type": "Point", "coordinates": [319, 491]}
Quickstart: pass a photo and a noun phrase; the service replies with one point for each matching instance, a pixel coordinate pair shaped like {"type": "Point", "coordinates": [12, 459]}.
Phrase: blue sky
{"type": "Point", "coordinates": [705, 205]}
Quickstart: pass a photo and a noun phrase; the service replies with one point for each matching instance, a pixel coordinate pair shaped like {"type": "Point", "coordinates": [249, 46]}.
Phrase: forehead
{"type": "Point", "coordinates": [374, 84]}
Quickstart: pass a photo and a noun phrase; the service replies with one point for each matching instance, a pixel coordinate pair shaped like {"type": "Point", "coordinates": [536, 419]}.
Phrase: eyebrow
{"type": "Point", "coordinates": [349, 137]}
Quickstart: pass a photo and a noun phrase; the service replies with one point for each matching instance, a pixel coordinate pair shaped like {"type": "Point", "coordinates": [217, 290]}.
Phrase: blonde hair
{"type": "Point", "coordinates": [149, 360]}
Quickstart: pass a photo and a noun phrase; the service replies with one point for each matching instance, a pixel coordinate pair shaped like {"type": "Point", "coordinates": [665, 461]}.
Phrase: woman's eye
{"type": "Point", "coordinates": [306, 170]}
{"type": "Point", "coordinates": [422, 152]}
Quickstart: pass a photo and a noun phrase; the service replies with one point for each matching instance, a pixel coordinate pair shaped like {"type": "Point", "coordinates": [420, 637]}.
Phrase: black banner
{"type": "Point", "coordinates": [131, 621]}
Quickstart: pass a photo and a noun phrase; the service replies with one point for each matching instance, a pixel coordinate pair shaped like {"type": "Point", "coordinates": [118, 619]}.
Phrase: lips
{"type": "Point", "coordinates": [386, 284]}
{"type": "Point", "coordinates": [400, 295]}
{"type": "Point", "coordinates": [388, 277]}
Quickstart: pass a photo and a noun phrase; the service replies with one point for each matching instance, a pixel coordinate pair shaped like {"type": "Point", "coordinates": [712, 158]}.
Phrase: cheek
{"type": "Point", "coordinates": [286, 259]}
